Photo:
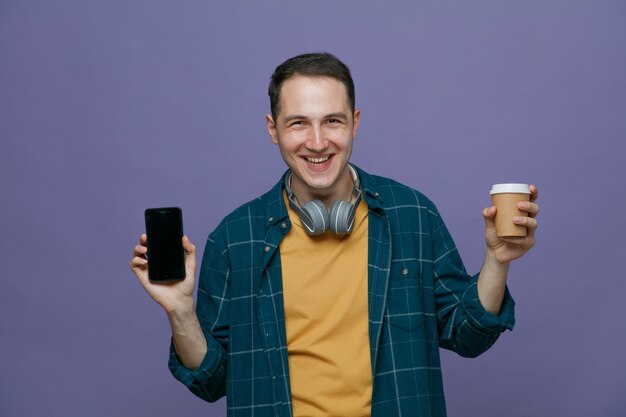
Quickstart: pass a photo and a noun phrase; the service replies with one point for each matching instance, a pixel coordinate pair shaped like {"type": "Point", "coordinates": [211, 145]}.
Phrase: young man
{"type": "Point", "coordinates": [339, 314]}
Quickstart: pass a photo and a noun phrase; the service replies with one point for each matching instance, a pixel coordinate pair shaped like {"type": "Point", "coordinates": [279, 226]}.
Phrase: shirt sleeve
{"type": "Point", "coordinates": [464, 325]}
{"type": "Point", "coordinates": [209, 380]}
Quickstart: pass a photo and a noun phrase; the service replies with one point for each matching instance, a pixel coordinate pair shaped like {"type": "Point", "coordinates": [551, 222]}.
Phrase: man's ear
{"type": "Point", "coordinates": [271, 128]}
{"type": "Point", "coordinates": [355, 122]}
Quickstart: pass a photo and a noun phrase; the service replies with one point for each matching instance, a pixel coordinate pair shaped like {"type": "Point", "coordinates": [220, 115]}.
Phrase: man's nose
{"type": "Point", "coordinates": [317, 141]}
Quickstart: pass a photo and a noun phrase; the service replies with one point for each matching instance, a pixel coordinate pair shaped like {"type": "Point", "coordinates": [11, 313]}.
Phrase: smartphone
{"type": "Point", "coordinates": [166, 256]}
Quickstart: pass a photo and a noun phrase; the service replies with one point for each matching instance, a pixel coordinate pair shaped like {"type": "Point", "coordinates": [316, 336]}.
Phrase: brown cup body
{"type": "Point", "coordinates": [506, 204]}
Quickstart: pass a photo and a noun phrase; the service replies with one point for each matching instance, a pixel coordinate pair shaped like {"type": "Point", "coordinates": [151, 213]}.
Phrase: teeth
{"type": "Point", "coordinates": [317, 160]}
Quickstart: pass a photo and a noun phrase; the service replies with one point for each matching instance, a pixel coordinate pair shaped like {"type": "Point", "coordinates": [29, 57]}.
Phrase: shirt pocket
{"type": "Point", "coordinates": [405, 309]}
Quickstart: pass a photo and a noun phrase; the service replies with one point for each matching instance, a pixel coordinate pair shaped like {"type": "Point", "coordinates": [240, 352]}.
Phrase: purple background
{"type": "Point", "coordinates": [110, 107]}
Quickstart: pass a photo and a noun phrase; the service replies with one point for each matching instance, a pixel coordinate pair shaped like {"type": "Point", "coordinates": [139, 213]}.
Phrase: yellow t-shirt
{"type": "Point", "coordinates": [326, 319]}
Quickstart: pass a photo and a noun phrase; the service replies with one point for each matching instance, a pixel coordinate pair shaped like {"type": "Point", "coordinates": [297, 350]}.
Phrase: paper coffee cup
{"type": "Point", "coordinates": [505, 197]}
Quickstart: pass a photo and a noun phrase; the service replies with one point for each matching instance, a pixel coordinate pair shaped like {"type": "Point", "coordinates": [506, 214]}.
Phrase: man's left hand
{"type": "Point", "coordinates": [507, 249]}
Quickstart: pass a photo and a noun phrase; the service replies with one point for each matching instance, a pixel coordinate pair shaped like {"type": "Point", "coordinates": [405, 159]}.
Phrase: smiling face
{"type": "Point", "coordinates": [314, 131]}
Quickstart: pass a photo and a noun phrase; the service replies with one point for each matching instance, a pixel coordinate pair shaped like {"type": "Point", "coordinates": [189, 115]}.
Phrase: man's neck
{"type": "Point", "coordinates": [341, 191]}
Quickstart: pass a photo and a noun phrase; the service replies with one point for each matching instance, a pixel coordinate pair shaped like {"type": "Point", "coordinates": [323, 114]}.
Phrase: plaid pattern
{"type": "Point", "coordinates": [420, 299]}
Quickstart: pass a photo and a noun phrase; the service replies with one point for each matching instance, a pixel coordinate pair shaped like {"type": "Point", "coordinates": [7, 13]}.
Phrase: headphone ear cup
{"type": "Point", "coordinates": [342, 218]}
{"type": "Point", "coordinates": [314, 217]}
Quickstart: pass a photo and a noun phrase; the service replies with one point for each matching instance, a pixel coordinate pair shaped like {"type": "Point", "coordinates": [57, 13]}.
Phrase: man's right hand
{"type": "Point", "coordinates": [177, 300]}
{"type": "Point", "coordinates": [172, 296]}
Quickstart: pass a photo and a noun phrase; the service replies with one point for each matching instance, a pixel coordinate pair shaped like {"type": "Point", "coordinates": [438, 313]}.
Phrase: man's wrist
{"type": "Point", "coordinates": [491, 261]}
{"type": "Point", "coordinates": [181, 310]}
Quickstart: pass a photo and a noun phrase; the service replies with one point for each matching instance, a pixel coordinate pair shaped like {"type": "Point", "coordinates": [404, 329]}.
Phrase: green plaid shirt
{"type": "Point", "coordinates": [419, 299]}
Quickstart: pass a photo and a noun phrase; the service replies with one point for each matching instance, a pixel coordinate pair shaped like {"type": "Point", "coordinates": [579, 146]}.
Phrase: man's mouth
{"type": "Point", "coordinates": [317, 161]}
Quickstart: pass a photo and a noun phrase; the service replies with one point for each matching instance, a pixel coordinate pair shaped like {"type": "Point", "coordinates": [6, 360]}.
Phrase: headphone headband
{"type": "Point", "coordinates": [314, 215]}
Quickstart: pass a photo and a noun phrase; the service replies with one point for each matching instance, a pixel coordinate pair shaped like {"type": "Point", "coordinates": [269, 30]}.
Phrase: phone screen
{"type": "Point", "coordinates": [166, 256]}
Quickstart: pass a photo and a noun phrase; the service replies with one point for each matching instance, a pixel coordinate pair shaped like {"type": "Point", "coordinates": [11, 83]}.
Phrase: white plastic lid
{"type": "Point", "coordinates": [510, 188]}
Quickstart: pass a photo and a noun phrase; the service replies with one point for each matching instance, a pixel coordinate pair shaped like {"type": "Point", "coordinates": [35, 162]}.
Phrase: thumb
{"type": "Point", "coordinates": [489, 214]}
{"type": "Point", "coordinates": [190, 252]}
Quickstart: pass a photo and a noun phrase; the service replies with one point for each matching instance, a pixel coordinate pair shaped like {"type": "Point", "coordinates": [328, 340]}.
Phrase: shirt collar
{"type": "Point", "coordinates": [275, 209]}
{"type": "Point", "coordinates": [370, 189]}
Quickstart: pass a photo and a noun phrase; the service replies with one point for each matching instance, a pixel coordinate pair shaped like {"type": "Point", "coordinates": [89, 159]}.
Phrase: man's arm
{"type": "Point", "coordinates": [501, 251]}
{"type": "Point", "coordinates": [189, 341]}
{"type": "Point", "coordinates": [176, 298]}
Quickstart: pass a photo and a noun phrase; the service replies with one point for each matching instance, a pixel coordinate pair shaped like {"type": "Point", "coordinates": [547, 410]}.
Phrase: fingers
{"type": "Point", "coordinates": [140, 259]}
{"type": "Point", "coordinates": [523, 242]}
{"type": "Point", "coordinates": [513, 239]}
{"type": "Point", "coordinates": [140, 250]}
{"type": "Point", "coordinates": [138, 262]}
{"type": "Point", "coordinates": [528, 206]}
{"type": "Point", "coordinates": [534, 192]}
{"type": "Point", "coordinates": [529, 222]}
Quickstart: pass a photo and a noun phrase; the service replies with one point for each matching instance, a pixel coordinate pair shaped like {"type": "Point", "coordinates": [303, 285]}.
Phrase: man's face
{"type": "Point", "coordinates": [314, 131]}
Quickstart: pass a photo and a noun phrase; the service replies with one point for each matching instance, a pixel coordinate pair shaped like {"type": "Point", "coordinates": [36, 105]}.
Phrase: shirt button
{"type": "Point", "coordinates": [271, 219]}
{"type": "Point", "coordinates": [377, 195]}
{"type": "Point", "coordinates": [284, 225]}
{"type": "Point", "coordinates": [266, 249]}
{"type": "Point", "coordinates": [405, 271]}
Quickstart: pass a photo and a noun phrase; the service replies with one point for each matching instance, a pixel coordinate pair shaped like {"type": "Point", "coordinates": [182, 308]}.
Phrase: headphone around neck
{"type": "Point", "coordinates": [315, 217]}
